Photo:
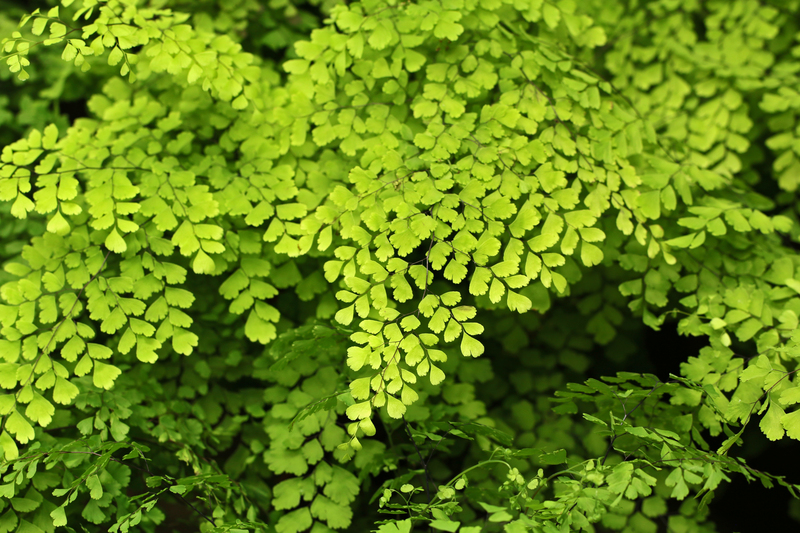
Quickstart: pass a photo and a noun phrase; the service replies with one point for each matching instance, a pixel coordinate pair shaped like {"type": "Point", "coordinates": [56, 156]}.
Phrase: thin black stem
{"type": "Point", "coordinates": [421, 460]}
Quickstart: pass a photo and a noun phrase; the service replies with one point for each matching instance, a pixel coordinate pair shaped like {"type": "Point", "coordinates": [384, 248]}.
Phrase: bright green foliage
{"type": "Point", "coordinates": [292, 250]}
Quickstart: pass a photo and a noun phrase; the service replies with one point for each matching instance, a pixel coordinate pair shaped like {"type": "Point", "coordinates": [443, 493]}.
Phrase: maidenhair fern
{"type": "Point", "coordinates": [303, 264]}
